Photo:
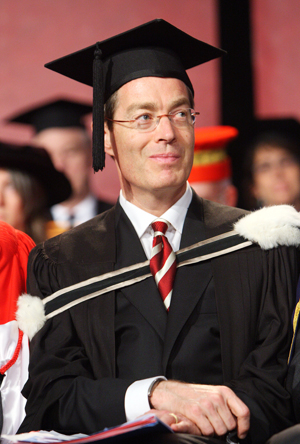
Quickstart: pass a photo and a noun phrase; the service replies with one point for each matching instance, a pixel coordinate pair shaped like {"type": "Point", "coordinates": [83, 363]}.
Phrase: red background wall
{"type": "Point", "coordinates": [276, 57]}
{"type": "Point", "coordinates": [34, 32]}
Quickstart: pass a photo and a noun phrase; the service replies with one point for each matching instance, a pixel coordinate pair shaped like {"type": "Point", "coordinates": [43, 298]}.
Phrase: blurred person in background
{"type": "Point", "coordinates": [14, 351]}
{"type": "Point", "coordinates": [59, 128]}
{"type": "Point", "coordinates": [272, 164]}
{"type": "Point", "coordinates": [29, 186]}
{"type": "Point", "coordinates": [211, 173]}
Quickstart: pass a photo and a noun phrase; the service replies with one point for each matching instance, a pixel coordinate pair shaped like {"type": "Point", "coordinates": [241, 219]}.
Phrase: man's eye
{"type": "Point", "coordinates": [181, 114]}
{"type": "Point", "coordinates": [144, 118]}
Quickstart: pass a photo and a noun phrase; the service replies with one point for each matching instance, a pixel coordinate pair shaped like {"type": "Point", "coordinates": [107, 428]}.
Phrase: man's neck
{"type": "Point", "coordinates": [156, 203]}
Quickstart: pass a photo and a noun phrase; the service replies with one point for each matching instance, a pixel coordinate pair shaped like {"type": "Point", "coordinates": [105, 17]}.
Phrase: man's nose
{"type": "Point", "coordinates": [165, 128]}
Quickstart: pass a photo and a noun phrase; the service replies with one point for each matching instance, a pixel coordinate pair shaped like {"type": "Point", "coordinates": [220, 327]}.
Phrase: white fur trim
{"type": "Point", "coordinates": [30, 314]}
{"type": "Point", "coordinates": [271, 226]}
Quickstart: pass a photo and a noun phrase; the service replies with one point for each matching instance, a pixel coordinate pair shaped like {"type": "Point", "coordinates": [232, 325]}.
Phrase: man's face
{"type": "Point", "coordinates": [156, 161]}
{"type": "Point", "coordinates": [70, 152]}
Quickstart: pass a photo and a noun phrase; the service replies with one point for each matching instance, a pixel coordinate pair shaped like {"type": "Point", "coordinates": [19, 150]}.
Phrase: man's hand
{"type": "Point", "coordinates": [212, 409]}
{"type": "Point", "coordinates": [177, 422]}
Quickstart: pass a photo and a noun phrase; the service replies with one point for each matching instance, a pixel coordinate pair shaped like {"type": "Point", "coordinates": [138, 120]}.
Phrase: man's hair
{"type": "Point", "coordinates": [111, 104]}
{"type": "Point", "coordinates": [109, 109]}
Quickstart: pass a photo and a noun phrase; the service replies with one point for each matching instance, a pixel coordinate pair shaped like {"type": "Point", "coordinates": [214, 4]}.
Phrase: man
{"type": "Point", "coordinates": [223, 329]}
{"type": "Point", "coordinates": [60, 130]}
{"type": "Point", "coordinates": [211, 172]}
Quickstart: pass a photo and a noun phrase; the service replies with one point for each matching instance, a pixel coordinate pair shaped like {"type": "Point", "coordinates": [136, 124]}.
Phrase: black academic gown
{"type": "Point", "coordinates": [74, 385]}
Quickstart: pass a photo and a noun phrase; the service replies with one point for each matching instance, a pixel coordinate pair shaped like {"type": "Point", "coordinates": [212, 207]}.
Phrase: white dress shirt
{"type": "Point", "coordinates": [136, 397]}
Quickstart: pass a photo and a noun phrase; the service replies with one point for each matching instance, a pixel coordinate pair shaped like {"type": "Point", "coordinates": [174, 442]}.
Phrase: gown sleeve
{"type": "Point", "coordinates": [63, 393]}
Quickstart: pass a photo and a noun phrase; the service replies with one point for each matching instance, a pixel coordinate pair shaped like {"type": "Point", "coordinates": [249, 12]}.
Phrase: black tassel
{"type": "Point", "coordinates": [98, 111]}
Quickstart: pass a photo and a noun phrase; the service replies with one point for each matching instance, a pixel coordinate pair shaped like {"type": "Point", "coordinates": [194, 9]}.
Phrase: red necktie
{"type": "Point", "coordinates": [163, 261]}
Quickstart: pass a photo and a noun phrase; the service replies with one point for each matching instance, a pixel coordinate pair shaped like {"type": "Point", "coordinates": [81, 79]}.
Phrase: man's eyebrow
{"type": "Point", "coordinates": [151, 106]}
{"type": "Point", "coordinates": [142, 105]}
{"type": "Point", "coordinates": [179, 102]}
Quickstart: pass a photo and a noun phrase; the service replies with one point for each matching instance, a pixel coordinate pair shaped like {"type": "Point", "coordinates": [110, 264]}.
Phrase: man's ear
{"type": "Point", "coordinates": [108, 136]}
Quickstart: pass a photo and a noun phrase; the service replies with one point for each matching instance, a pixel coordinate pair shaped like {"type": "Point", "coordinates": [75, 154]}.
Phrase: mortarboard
{"type": "Point", "coordinates": [55, 113]}
{"type": "Point", "coordinates": [211, 162]}
{"type": "Point", "coordinates": [156, 49]}
{"type": "Point", "coordinates": [37, 163]}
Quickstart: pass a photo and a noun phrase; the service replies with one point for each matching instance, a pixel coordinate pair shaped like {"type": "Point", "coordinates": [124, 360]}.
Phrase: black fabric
{"type": "Point", "coordinates": [288, 436]}
{"type": "Point", "coordinates": [293, 378]}
{"type": "Point", "coordinates": [73, 366]}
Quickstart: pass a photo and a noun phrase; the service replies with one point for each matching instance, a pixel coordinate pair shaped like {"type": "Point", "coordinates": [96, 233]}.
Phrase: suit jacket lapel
{"type": "Point", "coordinates": [143, 295]}
{"type": "Point", "coordinates": [190, 281]}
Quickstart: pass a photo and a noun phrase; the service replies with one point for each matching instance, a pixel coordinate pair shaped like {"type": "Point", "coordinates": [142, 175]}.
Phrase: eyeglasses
{"type": "Point", "coordinates": [147, 122]}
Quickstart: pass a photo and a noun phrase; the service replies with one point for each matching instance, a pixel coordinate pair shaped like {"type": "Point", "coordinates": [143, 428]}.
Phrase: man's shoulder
{"type": "Point", "coordinates": [220, 218]}
{"type": "Point", "coordinates": [269, 227]}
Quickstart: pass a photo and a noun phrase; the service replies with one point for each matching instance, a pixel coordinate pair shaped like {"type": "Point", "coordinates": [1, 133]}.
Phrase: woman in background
{"type": "Point", "coordinates": [29, 186]}
{"type": "Point", "coordinates": [272, 167]}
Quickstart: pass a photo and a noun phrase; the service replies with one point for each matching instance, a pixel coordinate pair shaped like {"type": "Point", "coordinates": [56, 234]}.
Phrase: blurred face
{"type": "Point", "coordinates": [158, 161]}
{"type": "Point", "coordinates": [276, 176]}
{"type": "Point", "coordinates": [70, 152]}
{"type": "Point", "coordinates": [11, 204]}
{"type": "Point", "coordinates": [221, 191]}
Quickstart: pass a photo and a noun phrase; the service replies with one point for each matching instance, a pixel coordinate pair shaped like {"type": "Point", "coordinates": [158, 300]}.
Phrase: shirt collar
{"type": "Point", "coordinates": [141, 219]}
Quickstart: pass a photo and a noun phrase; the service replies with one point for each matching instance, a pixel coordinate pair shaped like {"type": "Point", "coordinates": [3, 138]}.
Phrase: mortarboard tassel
{"type": "Point", "coordinates": [98, 111]}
